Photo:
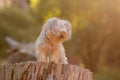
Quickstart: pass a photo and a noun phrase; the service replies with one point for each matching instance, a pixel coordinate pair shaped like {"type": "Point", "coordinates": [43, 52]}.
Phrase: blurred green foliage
{"type": "Point", "coordinates": [17, 24]}
{"type": "Point", "coordinates": [106, 73]}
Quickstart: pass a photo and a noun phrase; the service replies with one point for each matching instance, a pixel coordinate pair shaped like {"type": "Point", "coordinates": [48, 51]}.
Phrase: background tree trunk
{"type": "Point", "coordinates": [43, 71]}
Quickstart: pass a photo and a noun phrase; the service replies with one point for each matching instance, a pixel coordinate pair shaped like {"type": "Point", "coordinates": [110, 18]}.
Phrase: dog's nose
{"type": "Point", "coordinates": [63, 34]}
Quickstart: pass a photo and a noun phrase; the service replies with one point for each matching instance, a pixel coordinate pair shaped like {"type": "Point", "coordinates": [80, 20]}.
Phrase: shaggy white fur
{"type": "Point", "coordinates": [48, 46]}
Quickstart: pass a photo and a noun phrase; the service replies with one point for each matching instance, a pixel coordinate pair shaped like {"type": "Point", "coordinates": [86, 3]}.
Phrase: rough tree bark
{"type": "Point", "coordinates": [43, 71]}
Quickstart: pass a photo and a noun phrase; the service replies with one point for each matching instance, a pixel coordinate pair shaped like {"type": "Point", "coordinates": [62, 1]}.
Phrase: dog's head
{"type": "Point", "coordinates": [58, 29]}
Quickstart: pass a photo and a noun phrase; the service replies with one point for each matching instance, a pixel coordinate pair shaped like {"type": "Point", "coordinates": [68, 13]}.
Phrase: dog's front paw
{"type": "Point", "coordinates": [63, 62]}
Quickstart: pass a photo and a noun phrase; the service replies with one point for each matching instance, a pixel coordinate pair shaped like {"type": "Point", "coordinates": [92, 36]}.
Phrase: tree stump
{"type": "Point", "coordinates": [43, 71]}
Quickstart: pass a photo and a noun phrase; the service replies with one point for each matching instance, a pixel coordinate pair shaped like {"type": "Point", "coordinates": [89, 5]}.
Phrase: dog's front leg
{"type": "Point", "coordinates": [41, 54]}
{"type": "Point", "coordinates": [55, 56]}
{"type": "Point", "coordinates": [63, 58]}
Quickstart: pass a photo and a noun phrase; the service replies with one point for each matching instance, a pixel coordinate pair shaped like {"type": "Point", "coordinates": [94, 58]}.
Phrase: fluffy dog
{"type": "Point", "coordinates": [49, 45]}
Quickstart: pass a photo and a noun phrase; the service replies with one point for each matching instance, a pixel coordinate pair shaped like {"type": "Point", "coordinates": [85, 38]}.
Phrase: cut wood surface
{"type": "Point", "coordinates": [43, 71]}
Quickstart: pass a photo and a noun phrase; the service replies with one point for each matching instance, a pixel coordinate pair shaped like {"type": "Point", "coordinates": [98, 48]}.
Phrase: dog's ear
{"type": "Point", "coordinates": [68, 27]}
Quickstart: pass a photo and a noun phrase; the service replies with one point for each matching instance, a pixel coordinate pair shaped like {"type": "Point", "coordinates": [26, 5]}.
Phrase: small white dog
{"type": "Point", "coordinates": [48, 46]}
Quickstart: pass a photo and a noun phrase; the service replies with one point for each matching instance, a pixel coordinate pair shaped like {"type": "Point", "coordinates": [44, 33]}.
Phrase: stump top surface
{"type": "Point", "coordinates": [43, 71]}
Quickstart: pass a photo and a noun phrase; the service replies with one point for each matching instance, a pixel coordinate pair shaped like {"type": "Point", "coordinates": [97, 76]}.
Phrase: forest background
{"type": "Point", "coordinates": [95, 42]}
